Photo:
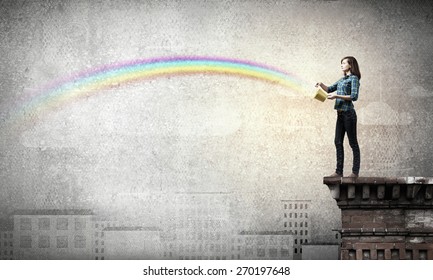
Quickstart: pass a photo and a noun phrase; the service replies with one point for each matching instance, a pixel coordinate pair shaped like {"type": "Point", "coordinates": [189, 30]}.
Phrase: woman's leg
{"type": "Point", "coordinates": [350, 124]}
{"type": "Point", "coordinates": [338, 141]}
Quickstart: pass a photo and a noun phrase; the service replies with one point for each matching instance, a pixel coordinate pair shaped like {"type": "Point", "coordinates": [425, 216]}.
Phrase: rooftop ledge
{"type": "Point", "coordinates": [379, 192]}
{"type": "Point", "coordinates": [378, 180]}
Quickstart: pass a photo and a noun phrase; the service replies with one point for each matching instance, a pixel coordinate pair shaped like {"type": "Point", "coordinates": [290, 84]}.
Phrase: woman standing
{"type": "Point", "coordinates": [347, 91]}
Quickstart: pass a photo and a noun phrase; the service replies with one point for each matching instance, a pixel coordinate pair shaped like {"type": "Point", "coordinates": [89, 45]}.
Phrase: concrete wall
{"type": "Point", "coordinates": [204, 132]}
{"type": "Point", "coordinates": [320, 252]}
{"type": "Point", "coordinates": [132, 245]}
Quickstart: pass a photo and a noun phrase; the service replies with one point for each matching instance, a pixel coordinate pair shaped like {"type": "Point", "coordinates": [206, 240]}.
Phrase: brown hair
{"type": "Point", "coordinates": [354, 68]}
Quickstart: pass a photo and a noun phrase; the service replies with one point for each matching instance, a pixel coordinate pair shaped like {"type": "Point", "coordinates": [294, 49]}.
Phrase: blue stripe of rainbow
{"type": "Point", "coordinates": [91, 81]}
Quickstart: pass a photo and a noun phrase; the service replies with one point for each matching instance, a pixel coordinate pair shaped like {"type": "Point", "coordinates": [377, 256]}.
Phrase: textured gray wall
{"type": "Point", "coordinates": [210, 133]}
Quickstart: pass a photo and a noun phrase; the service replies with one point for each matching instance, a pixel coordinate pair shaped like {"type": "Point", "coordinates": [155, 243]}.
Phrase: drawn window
{"type": "Point", "coordinates": [25, 241]}
{"type": "Point", "coordinates": [261, 252]}
{"type": "Point", "coordinates": [80, 241]}
{"type": "Point", "coordinates": [273, 253]}
{"type": "Point", "coordinates": [80, 223]}
{"type": "Point", "coordinates": [62, 223]}
{"type": "Point", "coordinates": [62, 242]}
{"type": "Point", "coordinates": [25, 224]}
{"type": "Point", "coordinates": [44, 241]}
{"type": "Point", "coordinates": [44, 223]}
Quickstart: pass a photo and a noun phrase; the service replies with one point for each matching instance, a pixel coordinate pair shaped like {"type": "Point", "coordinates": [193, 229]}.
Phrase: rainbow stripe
{"type": "Point", "coordinates": [91, 81]}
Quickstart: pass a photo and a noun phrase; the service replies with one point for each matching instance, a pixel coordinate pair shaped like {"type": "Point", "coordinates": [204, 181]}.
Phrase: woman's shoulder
{"type": "Point", "coordinates": [354, 77]}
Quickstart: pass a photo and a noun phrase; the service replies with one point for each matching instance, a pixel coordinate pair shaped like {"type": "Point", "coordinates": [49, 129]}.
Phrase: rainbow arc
{"type": "Point", "coordinates": [97, 79]}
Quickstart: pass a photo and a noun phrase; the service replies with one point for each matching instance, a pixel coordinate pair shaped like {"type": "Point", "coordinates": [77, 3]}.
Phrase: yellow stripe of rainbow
{"type": "Point", "coordinates": [88, 82]}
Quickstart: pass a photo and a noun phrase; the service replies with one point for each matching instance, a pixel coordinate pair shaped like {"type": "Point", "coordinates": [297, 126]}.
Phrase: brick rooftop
{"type": "Point", "coordinates": [384, 217]}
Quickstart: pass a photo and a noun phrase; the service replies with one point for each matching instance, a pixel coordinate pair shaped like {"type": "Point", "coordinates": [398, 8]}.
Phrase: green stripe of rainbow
{"type": "Point", "coordinates": [91, 81]}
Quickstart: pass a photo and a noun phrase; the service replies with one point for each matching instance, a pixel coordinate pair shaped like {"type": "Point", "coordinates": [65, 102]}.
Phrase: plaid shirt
{"type": "Point", "coordinates": [348, 85]}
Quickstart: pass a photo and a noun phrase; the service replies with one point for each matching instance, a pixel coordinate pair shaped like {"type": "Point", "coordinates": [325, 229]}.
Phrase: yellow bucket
{"type": "Point", "coordinates": [321, 95]}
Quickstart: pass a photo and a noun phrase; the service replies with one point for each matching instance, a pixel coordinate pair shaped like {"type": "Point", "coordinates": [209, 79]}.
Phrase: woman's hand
{"type": "Point", "coordinates": [322, 86]}
{"type": "Point", "coordinates": [332, 95]}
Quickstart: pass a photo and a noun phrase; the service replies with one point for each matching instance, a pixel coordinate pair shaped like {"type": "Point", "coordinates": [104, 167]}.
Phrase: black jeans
{"type": "Point", "coordinates": [346, 122]}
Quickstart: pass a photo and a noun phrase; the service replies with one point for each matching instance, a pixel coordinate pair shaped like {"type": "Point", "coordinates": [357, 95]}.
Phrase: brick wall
{"type": "Point", "coordinates": [384, 218]}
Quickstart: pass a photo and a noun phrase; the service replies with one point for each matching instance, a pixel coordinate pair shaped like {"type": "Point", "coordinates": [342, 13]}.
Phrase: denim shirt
{"type": "Point", "coordinates": [348, 85]}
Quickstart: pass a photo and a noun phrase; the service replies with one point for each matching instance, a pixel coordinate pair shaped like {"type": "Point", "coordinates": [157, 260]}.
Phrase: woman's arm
{"type": "Point", "coordinates": [354, 89]}
{"type": "Point", "coordinates": [344, 97]}
{"type": "Point", "coordinates": [320, 84]}
{"type": "Point", "coordinates": [329, 89]}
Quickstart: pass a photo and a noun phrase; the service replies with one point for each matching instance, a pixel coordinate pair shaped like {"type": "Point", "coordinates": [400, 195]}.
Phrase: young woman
{"type": "Point", "coordinates": [347, 91]}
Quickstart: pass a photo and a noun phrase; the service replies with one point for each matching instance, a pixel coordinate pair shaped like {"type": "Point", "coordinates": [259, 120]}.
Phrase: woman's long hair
{"type": "Point", "coordinates": [354, 68]}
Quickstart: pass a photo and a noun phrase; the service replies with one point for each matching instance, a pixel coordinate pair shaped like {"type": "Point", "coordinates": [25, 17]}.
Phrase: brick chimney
{"type": "Point", "coordinates": [384, 218]}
